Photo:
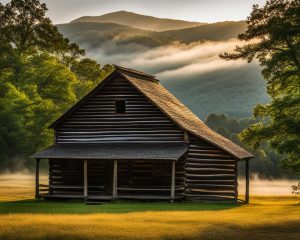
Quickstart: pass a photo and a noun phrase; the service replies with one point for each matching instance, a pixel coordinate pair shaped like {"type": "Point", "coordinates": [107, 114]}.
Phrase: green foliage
{"type": "Point", "coordinates": [41, 75]}
{"type": "Point", "coordinates": [274, 35]}
{"type": "Point", "coordinates": [24, 24]}
{"type": "Point", "coordinates": [266, 162]}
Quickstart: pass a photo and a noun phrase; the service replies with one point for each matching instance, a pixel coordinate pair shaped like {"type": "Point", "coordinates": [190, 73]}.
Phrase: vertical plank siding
{"type": "Point", "coordinates": [96, 121]}
{"type": "Point", "coordinates": [210, 172]}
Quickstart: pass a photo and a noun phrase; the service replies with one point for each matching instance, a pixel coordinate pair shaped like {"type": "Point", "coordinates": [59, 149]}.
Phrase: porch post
{"type": "Point", "coordinates": [173, 182]}
{"type": "Point", "coordinates": [247, 181]}
{"type": "Point", "coordinates": [85, 179]}
{"type": "Point", "coordinates": [115, 179]}
{"type": "Point", "coordinates": [37, 178]}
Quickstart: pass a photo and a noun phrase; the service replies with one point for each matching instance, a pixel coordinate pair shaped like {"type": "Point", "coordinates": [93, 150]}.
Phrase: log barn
{"type": "Point", "coordinates": [129, 138]}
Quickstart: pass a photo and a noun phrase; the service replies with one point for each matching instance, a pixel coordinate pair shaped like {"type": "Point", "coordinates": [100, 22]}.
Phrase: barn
{"type": "Point", "coordinates": [129, 138]}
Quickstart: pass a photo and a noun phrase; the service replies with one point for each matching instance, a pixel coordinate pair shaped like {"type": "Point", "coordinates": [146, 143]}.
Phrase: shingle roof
{"type": "Point", "coordinates": [170, 106]}
{"type": "Point", "coordinates": [114, 151]}
{"type": "Point", "coordinates": [181, 115]}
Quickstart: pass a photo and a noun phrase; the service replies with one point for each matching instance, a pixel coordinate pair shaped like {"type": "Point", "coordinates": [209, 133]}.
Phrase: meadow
{"type": "Point", "coordinates": [22, 217]}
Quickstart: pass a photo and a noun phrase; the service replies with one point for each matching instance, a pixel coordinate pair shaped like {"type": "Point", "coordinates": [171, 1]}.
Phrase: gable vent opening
{"type": "Point", "coordinates": [120, 106]}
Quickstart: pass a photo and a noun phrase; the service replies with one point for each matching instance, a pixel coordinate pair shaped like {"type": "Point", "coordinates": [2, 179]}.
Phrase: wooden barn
{"type": "Point", "coordinates": [130, 138]}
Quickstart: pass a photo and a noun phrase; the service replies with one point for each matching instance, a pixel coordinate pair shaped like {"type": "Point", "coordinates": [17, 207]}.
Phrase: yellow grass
{"type": "Point", "coordinates": [265, 218]}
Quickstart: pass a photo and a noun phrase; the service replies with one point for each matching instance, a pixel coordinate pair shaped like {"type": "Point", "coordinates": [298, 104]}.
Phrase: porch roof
{"type": "Point", "coordinates": [114, 151]}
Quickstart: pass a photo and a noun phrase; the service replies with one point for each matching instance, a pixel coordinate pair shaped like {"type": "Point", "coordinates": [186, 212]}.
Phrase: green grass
{"type": "Point", "coordinates": [78, 207]}
{"type": "Point", "coordinates": [22, 217]}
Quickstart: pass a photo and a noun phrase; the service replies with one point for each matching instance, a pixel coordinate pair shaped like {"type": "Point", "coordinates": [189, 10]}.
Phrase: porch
{"type": "Point", "coordinates": [113, 171]}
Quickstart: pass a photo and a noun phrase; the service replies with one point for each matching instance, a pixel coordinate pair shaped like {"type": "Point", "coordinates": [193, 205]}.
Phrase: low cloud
{"type": "Point", "coordinates": [175, 60]}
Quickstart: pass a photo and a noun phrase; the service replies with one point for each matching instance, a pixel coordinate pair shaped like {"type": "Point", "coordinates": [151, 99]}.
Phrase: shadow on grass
{"type": "Point", "coordinates": [78, 207]}
{"type": "Point", "coordinates": [283, 230]}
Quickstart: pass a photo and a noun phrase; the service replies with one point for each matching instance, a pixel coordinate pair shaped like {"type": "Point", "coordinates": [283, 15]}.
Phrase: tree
{"type": "Point", "coordinates": [273, 38]}
{"type": "Point", "coordinates": [44, 86]}
{"type": "Point", "coordinates": [266, 160]}
{"type": "Point", "coordinates": [24, 24]}
{"type": "Point", "coordinates": [41, 75]}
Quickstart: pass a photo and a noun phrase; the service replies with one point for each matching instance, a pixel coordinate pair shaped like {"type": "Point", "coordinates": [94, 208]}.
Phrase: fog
{"type": "Point", "coordinates": [257, 186]}
{"type": "Point", "coordinates": [175, 60]}
{"type": "Point", "coordinates": [279, 187]}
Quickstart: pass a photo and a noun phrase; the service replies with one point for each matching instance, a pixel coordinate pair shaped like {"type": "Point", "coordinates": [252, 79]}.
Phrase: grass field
{"type": "Point", "coordinates": [22, 217]}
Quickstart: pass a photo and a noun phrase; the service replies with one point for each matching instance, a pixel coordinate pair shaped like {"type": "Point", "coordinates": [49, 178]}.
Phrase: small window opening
{"type": "Point", "coordinates": [120, 106]}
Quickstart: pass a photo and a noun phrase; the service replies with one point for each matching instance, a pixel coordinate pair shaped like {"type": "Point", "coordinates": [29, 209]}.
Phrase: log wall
{"type": "Point", "coordinates": [210, 173]}
{"type": "Point", "coordinates": [66, 177]}
{"type": "Point", "coordinates": [96, 121]}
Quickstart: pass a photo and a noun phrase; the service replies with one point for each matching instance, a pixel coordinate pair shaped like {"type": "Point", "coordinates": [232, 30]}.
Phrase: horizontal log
{"type": "Point", "coordinates": [105, 131]}
{"type": "Point", "coordinates": [206, 155]}
{"type": "Point", "coordinates": [210, 160]}
{"type": "Point", "coordinates": [209, 198]}
{"type": "Point", "coordinates": [207, 192]}
{"type": "Point", "coordinates": [209, 170]}
{"type": "Point", "coordinates": [210, 165]}
{"type": "Point", "coordinates": [210, 176]}
{"type": "Point", "coordinates": [74, 187]}
{"type": "Point", "coordinates": [141, 197]}
{"type": "Point", "coordinates": [212, 186]}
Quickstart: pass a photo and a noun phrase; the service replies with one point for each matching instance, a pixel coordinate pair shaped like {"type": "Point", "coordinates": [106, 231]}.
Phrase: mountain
{"type": "Point", "coordinates": [139, 21]}
{"type": "Point", "coordinates": [230, 91]}
{"type": "Point", "coordinates": [92, 34]}
{"type": "Point", "coordinates": [213, 32]}
{"type": "Point", "coordinates": [185, 60]}
{"type": "Point", "coordinates": [111, 37]}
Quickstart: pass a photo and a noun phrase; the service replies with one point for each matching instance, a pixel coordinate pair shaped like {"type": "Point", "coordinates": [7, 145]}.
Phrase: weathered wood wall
{"type": "Point", "coordinates": [96, 121]}
{"type": "Point", "coordinates": [205, 173]}
{"type": "Point", "coordinates": [211, 173]}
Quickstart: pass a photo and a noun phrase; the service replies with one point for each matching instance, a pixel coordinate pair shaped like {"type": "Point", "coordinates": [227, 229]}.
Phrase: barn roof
{"type": "Point", "coordinates": [150, 87]}
{"type": "Point", "coordinates": [114, 151]}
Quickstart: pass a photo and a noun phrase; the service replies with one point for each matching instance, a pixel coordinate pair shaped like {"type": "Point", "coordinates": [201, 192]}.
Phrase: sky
{"type": "Point", "coordinates": [62, 11]}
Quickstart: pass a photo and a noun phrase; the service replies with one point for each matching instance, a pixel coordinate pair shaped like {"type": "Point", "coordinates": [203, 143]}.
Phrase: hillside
{"type": "Point", "coordinates": [186, 60]}
{"type": "Point", "coordinates": [233, 91]}
{"type": "Point", "coordinates": [93, 34]}
{"type": "Point", "coordinates": [139, 21]}
{"type": "Point", "coordinates": [213, 32]}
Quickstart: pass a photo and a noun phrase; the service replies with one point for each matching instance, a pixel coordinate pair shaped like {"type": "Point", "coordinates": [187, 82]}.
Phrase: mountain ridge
{"type": "Point", "coordinates": [186, 60]}
{"type": "Point", "coordinates": [139, 21]}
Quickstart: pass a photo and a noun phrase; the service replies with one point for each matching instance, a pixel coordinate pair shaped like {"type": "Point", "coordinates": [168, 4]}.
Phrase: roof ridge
{"type": "Point", "coordinates": [135, 72]}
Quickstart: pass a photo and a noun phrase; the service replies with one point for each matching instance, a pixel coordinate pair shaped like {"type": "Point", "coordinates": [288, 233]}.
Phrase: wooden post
{"type": "Point", "coordinates": [85, 179]}
{"type": "Point", "coordinates": [247, 181]}
{"type": "Point", "coordinates": [115, 179]}
{"type": "Point", "coordinates": [236, 184]}
{"type": "Point", "coordinates": [37, 178]}
{"type": "Point", "coordinates": [173, 182]}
